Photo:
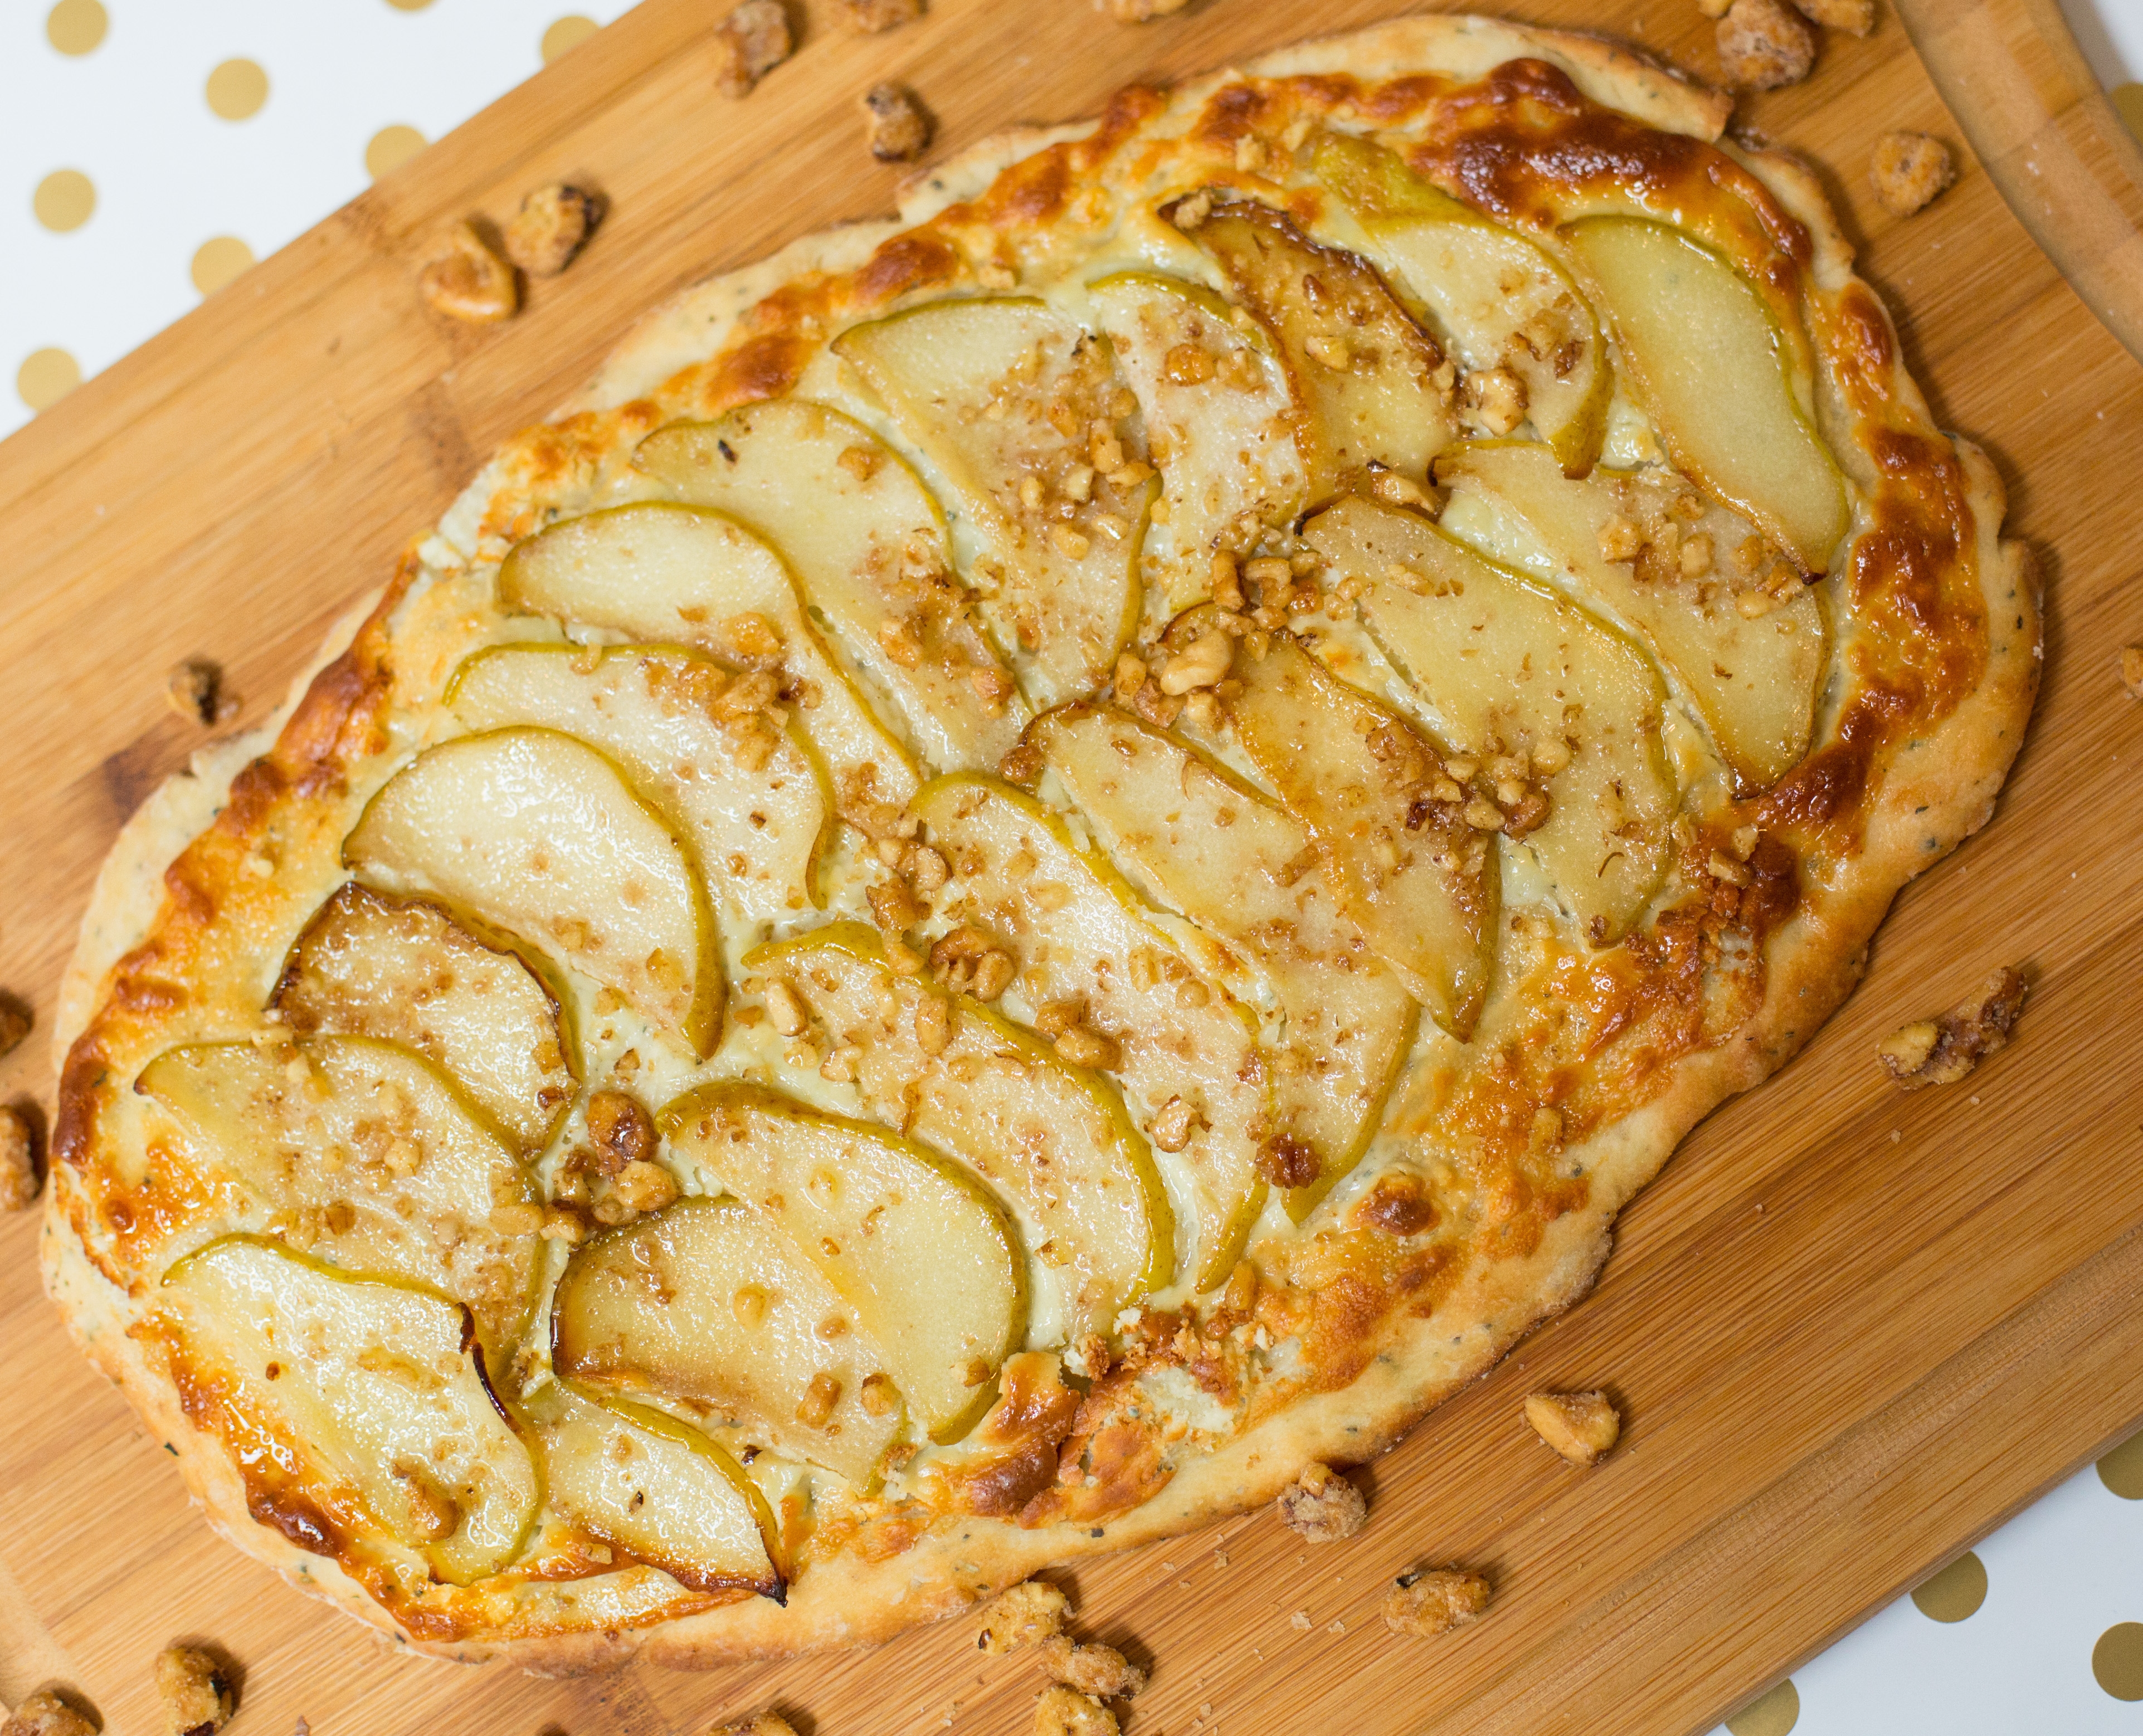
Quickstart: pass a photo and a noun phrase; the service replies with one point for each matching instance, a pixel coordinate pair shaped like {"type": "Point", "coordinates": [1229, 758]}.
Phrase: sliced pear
{"type": "Point", "coordinates": [919, 1250]}
{"type": "Point", "coordinates": [1079, 933]}
{"type": "Point", "coordinates": [1219, 418]}
{"type": "Point", "coordinates": [367, 1155]}
{"type": "Point", "coordinates": [756, 806]}
{"type": "Point", "coordinates": [1012, 400]}
{"type": "Point", "coordinates": [950, 1071]}
{"type": "Point", "coordinates": [1753, 681]}
{"type": "Point", "coordinates": [666, 574]}
{"type": "Point", "coordinates": [1502, 664]}
{"type": "Point", "coordinates": [543, 835]}
{"type": "Point", "coordinates": [1709, 361]}
{"type": "Point", "coordinates": [1415, 878]}
{"type": "Point", "coordinates": [380, 1382]}
{"type": "Point", "coordinates": [658, 1490]}
{"type": "Point", "coordinates": [405, 971]}
{"type": "Point", "coordinates": [703, 1306]}
{"type": "Point", "coordinates": [1243, 867]}
{"type": "Point", "coordinates": [1362, 367]}
{"type": "Point", "coordinates": [1503, 300]}
{"type": "Point", "coordinates": [867, 542]}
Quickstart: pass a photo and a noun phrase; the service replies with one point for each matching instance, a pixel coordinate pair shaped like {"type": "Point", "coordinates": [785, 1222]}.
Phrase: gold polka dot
{"type": "Point", "coordinates": [64, 200]}
{"type": "Point", "coordinates": [218, 259]}
{"type": "Point", "coordinates": [1774, 1715]}
{"type": "Point", "coordinates": [1954, 1593]}
{"type": "Point", "coordinates": [46, 377]}
{"type": "Point", "coordinates": [236, 89]}
{"type": "Point", "coordinates": [391, 147]}
{"type": "Point", "coordinates": [2121, 1470]}
{"type": "Point", "coordinates": [2117, 1660]}
{"type": "Point", "coordinates": [569, 33]}
{"type": "Point", "coordinates": [2127, 100]}
{"type": "Point", "coordinates": [75, 27]}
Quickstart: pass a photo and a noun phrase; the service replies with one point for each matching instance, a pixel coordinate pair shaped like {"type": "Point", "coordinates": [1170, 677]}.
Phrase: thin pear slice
{"type": "Point", "coordinates": [666, 574]}
{"type": "Point", "coordinates": [381, 1384]}
{"type": "Point", "coordinates": [950, 1071]}
{"type": "Point", "coordinates": [367, 1155]}
{"type": "Point", "coordinates": [1219, 418]}
{"type": "Point", "coordinates": [1753, 681]}
{"type": "Point", "coordinates": [1012, 400]}
{"type": "Point", "coordinates": [1708, 360]}
{"type": "Point", "coordinates": [1502, 664]}
{"type": "Point", "coordinates": [1364, 370]}
{"type": "Point", "coordinates": [658, 1490]}
{"type": "Point", "coordinates": [1245, 870]}
{"type": "Point", "coordinates": [756, 806]}
{"type": "Point", "coordinates": [1415, 878]}
{"type": "Point", "coordinates": [867, 542]}
{"type": "Point", "coordinates": [543, 835]}
{"type": "Point", "coordinates": [405, 971]}
{"type": "Point", "coordinates": [1502, 299]}
{"type": "Point", "coordinates": [705, 1307]}
{"type": "Point", "coordinates": [919, 1250]}
{"type": "Point", "coordinates": [1079, 933]}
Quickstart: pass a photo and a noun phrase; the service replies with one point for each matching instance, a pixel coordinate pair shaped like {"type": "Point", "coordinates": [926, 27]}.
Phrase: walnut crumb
{"type": "Point", "coordinates": [47, 1714]}
{"type": "Point", "coordinates": [1023, 1614]}
{"type": "Point", "coordinates": [195, 690]}
{"type": "Point", "coordinates": [622, 1130]}
{"type": "Point", "coordinates": [1067, 1711]}
{"type": "Point", "coordinates": [1941, 1050]}
{"type": "Point", "coordinates": [1493, 399]}
{"type": "Point", "coordinates": [1143, 11]}
{"type": "Point", "coordinates": [552, 227]}
{"type": "Point", "coordinates": [196, 1693]}
{"type": "Point", "coordinates": [471, 281]}
{"type": "Point", "coordinates": [1909, 170]}
{"type": "Point", "coordinates": [1322, 1506]}
{"type": "Point", "coordinates": [1856, 17]}
{"type": "Point", "coordinates": [1101, 1671]}
{"type": "Point", "coordinates": [759, 1724]}
{"type": "Point", "coordinates": [645, 1187]}
{"type": "Point", "coordinates": [1434, 1600]}
{"type": "Point", "coordinates": [899, 125]}
{"type": "Point", "coordinates": [18, 1160]}
{"type": "Point", "coordinates": [2131, 668]}
{"type": "Point", "coordinates": [15, 1022]}
{"type": "Point", "coordinates": [870, 16]}
{"type": "Point", "coordinates": [1763, 44]}
{"type": "Point", "coordinates": [750, 43]}
{"type": "Point", "coordinates": [1580, 1426]}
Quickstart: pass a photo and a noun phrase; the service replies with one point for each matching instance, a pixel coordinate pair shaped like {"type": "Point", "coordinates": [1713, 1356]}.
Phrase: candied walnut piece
{"type": "Point", "coordinates": [2131, 668]}
{"type": "Point", "coordinates": [18, 1160]}
{"type": "Point", "coordinates": [1101, 1672]}
{"type": "Point", "coordinates": [750, 43]}
{"type": "Point", "coordinates": [553, 225]}
{"type": "Point", "coordinates": [1023, 1614]}
{"type": "Point", "coordinates": [1434, 1600]}
{"type": "Point", "coordinates": [622, 1130]}
{"type": "Point", "coordinates": [645, 1187]}
{"type": "Point", "coordinates": [1908, 170]}
{"type": "Point", "coordinates": [195, 690]}
{"type": "Point", "coordinates": [1580, 1426]}
{"type": "Point", "coordinates": [197, 1695]}
{"type": "Point", "coordinates": [1941, 1050]}
{"type": "Point", "coordinates": [1763, 44]}
{"type": "Point", "coordinates": [46, 1714]}
{"type": "Point", "coordinates": [1856, 17]}
{"type": "Point", "coordinates": [1067, 1711]}
{"type": "Point", "coordinates": [870, 16]}
{"type": "Point", "coordinates": [899, 124]}
{"type": "Point", "coordinates": [1322, 1506]}
{"type": "Point", "coordinates": [759, 1724]}
{"type": "Point", "coordinates": [1493, 399]}
{"type": "Point", "coordinates": [1286, 1162]}
{"type": "Point", "coordinates": [471, 282]}
{"type": "Point", "coordinates": [1143, 11]}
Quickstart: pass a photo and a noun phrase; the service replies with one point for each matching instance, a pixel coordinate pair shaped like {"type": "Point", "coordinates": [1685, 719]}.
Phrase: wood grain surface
{"type": "Point", "coordinates": [1851, 1330]}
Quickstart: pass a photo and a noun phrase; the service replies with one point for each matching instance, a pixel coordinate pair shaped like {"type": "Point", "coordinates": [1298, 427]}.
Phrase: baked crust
{"type": "Point", "coordinates": [1937, 664]}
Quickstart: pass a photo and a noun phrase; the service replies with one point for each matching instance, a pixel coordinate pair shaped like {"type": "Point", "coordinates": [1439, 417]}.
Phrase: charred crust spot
{"type": "Point", "coordinates": [902, 266]}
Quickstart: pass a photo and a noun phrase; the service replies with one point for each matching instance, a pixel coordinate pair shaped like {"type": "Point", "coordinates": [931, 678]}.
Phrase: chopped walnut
{"type": "Point", "coordinates": [1143, 11]}
{"type": "Point", "coordinates": [1493, 400]}
{"type": "Point", "coordinates": [815, 1409]}
{"type": "Point", "coordinates": [1086, 1048]}
{"type": "Point", "coordinates": [552, 226]}
{"type": "Point", "coordinates": [870, 16]}
{"type": "Point", "coordinates": [46, 1714]}
{"type": "Point", "coordinates": [1322, 1506]}
{"type": "Point", "coordinates": [1203, 662]}
{"type": "Point", "coordinates": [1286, 1162]}
{"type": "Point", "coordinates": [1173, 1124]}
{"type": "Point", "coordinates": [621, 1128]}
{"type": "Point", "coordinates": [1067, 1711]}
{"type": "Point", "coordinates": [15, 1022]}
{"type": "Point", "coordinates": [1099, 1671]}
{"type": "Point", "coordinates": [1580, 1426]}
{"type": "Point", "coordinates": [893, 906]}
{"type": "Point", "coordinates": [196, 1693]}
{"type": "Point", "coordinates": [1856, 17]}
{"type": "Point", "coordinates": [1434, 1600]}
{"type": "Point", "coordinates": [1941, 1050]}
{"type": "Point", "coordinates": [1908, 170]}
{"type": "Point", "coordinates": [1023, 1614]}
{"type": "Point", "coordinates": [1620, 539]}
{"type": "Point", "coordinates": [750, 42]}
{"type": "Point", "coordinates": [2131, 668]}
{"type": "Point", "coordinates": [759, 1724]}
{"type": "Point", "coordinates": [899, 124]}
{"type": "Point", "coordinates": [1763, 44]}
{"type": "Point", "coordinates": [968, 962]}
{"type": "Point", "coordinates": [472, 281]}
{"type": "Point", "coordinates": [195, 690]}
{"type": "Point", "coordinates": [18, 1160]}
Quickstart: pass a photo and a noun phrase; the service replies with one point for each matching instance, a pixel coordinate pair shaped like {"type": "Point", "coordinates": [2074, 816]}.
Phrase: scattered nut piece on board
{"type": "Point", "coordinates": [1941, 1050]}
{"type": "Point", "coordinates": [1763, 44]}
{"type": "Point", "coordinates": [1580, 1426]}
{"type": "Point", "coordinates": [870, 16]}
{"type": "Point", "coordinates": [552, 225]}
{"type": "Point", "coordinates": [1101, 1672]}
{"type": "Point", "coordinates": [1322, 1506]}
{"type": "Point", "coordinates": [759, 1724]}
{"type": "Point", "coordinates": [899, 125]}
{"type": "Point", "coordinates": [18, 1160]}
{"type": "Point", "coordinates": [1145, 11]}
{"type": "Point", "coordinates": [15, 1022]}
{"type": "Point", "coordinates": [195, 690]}
{"type": "Point", "coordinates": [196, 1695]}
{"type": "Point", "coordinates": [471, 282]}
{"type": "Point", "coordinates": [1908, 170]}
{"type": "Point", "coordinates": [1023, 1614]}
{"type": "Point", "coordinates": [1434, 1600]}
{"type": "Point", "coordinates": [1856, 17]}
{"type": "Point", "coordinates": [750, 43]}
{"type": "Point", "coordinates": [46, 1714]}
{"type": "Point", "coordinates": [2131, 668]}
{"type": "Point", "coordinates": [1067, 1711]}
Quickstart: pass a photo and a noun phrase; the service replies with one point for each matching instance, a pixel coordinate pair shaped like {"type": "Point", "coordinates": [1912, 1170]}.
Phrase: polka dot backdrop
{"type": "Point", "coordinates": [156, 148]}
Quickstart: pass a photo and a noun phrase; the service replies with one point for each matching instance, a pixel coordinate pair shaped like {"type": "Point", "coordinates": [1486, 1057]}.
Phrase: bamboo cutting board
{"type": "Point", "coordinates": [1851, 1331]}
